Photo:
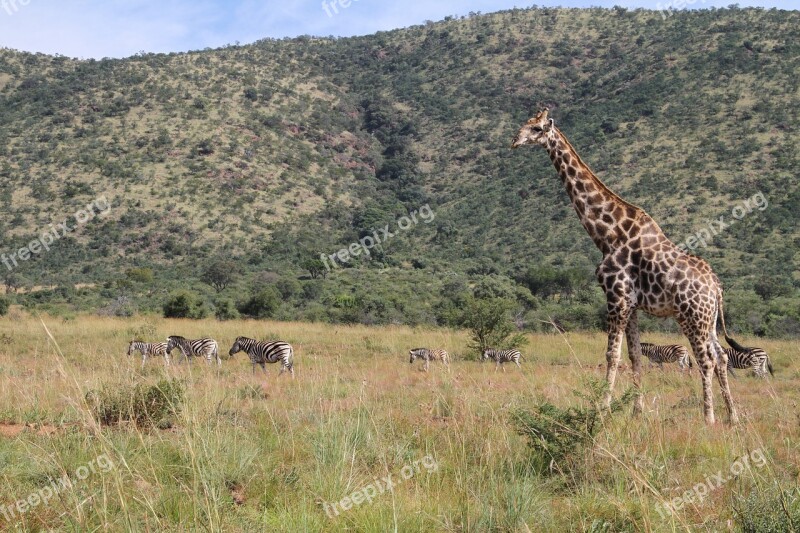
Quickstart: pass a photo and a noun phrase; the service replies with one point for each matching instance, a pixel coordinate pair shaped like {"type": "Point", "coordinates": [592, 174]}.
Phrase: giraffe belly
{"type": "Point", "coordinates": [656, 305]}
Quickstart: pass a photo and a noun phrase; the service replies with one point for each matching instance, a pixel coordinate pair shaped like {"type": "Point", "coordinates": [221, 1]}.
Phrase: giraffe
{"type": "Point", "coordinates": [641, 269]}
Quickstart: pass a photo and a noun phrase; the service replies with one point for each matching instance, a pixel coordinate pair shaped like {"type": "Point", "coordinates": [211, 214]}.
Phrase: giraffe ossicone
{"type": "Point", "coordinates": [641, 269]}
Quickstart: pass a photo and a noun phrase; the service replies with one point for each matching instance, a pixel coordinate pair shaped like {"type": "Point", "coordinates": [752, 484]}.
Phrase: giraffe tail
{"type": "Point", "coordinates": [735, 345]}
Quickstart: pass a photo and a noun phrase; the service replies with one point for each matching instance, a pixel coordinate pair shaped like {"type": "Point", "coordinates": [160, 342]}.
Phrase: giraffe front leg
{"type": "Point", "coordinates": [635, 355]}
{"type": "Point", "coordinates": [616, 330]}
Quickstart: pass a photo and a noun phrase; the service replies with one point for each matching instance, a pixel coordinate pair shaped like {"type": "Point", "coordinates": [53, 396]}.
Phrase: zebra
{"type": "Point", "coordinates": [669, 353]}
{"type": "Point", "coordinates": [429, 355]}
{"type": "Point", "coordinates": [501, 356]}
{"type": "Point", "coordinates": [741, 357]}
{"type": "Point", "coordinates": [261, 352]}
{"type": "Point", "coordinates": [189, 348]}
{"type": "Point", "coordinates": [149, 349]}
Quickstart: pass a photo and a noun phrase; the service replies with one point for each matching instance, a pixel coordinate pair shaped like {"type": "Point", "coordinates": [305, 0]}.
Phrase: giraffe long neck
{"type": "Point", "coordinates": [601, 212]}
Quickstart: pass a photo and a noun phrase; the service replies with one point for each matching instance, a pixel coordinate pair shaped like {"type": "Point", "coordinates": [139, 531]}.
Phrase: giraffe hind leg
{"type": "Point", "coordinates": [721, 370]}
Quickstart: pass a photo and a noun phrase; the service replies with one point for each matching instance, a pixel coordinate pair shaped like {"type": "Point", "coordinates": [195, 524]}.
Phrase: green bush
{"type": "Point", "coordinates": [143, 405]}
{"type": "Point", "coordinates": [772, 510]}
{"type": "Point", "coordinates": [225, 310]}
{"type": "Point", "coordinates": [557, 436]}
{"type": "Point", "coordinates": [262, 304]}
{"type": "Point", "coordinates": [184, 305]}
{"type": "Point", "coordinates": [4, 305]}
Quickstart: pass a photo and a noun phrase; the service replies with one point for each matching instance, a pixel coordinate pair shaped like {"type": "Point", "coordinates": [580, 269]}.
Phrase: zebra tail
{"type": "Point", "coordinates": [769, 367]}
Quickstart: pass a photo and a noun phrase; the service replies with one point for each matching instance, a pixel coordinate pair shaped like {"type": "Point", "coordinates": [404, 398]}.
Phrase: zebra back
{"type": "Point", "coordinates": [502, 356]}
{"type": "Point", "coordinates": [427, 355]}
{"type": "Point", "coordinates": [669, 353]}
{"type": "Point", "coordinates": [261, 352]}
{"type": "Point", "coordinates": [206, 347]}
{"type": "Point", "coordinates": [755, 358]}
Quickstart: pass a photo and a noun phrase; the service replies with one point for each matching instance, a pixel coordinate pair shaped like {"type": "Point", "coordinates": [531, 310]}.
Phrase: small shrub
{"type": "Point", "coordinates": [490, 325]}
{"type": "Point", "coordinates": [771, 510]}
{"type": "Point", "coordinates": [4, 305]}
{"type": "Point", "coordinates": [147, 330]}
{"type": "Point", "coordinates": [143, 405]}
{"type": "Point", "coordinates": [556, 435]}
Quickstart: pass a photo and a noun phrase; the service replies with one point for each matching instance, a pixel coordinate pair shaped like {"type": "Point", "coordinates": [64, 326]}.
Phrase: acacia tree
{"type": "Point", "coordinates": [490, 324]}
{"type": "Point", "coordinates": [220, 274]}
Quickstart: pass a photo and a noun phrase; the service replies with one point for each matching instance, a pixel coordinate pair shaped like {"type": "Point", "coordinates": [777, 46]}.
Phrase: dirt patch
{"type": "Point", "coordinates": [14, 430]}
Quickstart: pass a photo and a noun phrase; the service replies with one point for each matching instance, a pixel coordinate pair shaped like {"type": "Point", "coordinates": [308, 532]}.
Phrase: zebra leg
{"type": "Point", "coordinates": [518, 365]}
{"type": "Point", "coordinates": [263, 367]}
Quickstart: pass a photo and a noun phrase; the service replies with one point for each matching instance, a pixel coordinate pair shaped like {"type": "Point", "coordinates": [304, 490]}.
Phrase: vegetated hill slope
{"type": "Point", "coordinates": [281, 150]}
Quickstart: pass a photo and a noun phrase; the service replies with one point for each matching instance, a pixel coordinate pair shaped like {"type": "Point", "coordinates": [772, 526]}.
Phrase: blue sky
{"type": "Point", "coordinates": [119, 28]}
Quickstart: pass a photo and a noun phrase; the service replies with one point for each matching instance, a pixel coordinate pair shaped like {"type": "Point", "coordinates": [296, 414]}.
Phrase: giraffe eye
{"type": "Point", "coordinates": [537, 128]}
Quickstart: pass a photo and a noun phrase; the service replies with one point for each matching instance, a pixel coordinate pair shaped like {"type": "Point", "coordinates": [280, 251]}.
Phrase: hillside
{"type": "Point", "coordinates": [276, 152]}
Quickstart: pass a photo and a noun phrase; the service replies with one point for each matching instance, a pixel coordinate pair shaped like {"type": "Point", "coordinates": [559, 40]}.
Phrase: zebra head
{"type": "Point", "coordinates": [236, 348]}
{"type": "Point", "coordinates": [130, 348]}
{"type": "Point", "coordinates": [239, 345]}
{"type": "Point", "coordinates": [172, 342]}
{"type": "Point", "coordinates": [486, 354]}
{"type": "Point", "coordinates": [414, 354]}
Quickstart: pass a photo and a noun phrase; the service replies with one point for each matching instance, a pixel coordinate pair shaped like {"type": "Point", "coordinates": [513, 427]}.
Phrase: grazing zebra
{"type": "Point", "coordinates": [261, 352]}
{"type": "Point", "coordinates": [501, 356]}
{"type": "Point", "coordinates": [149, 349]}
{"type": "Point", "coordinates": [670, 353]}
{"type": "Point", "coordinates": [190, 348]}
{"type": "Point", "coordinates": [741, 357]}
{"type": "Point", "coordinates": [429, 355]}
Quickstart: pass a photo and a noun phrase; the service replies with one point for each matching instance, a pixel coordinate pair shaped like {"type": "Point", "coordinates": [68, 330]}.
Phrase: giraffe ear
{"type": "Point", "coordinates": [549, 125]}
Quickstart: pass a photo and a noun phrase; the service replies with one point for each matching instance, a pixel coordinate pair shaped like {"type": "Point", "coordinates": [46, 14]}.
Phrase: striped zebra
{"type": "Point", "coordinates": [262, 352]}
{"type": "Point", "coordinates": [195, 348]}
{"type": "Point", "coordinates": [149, 349]}
{"type": "Point", "coordinates": [501, 356]}
{"type": "Point", "coordinates": [741, 357]}
{"type": "Point", "coordinates": [670, 353]}
{"type": "Point", "coordinates": [429, 355]}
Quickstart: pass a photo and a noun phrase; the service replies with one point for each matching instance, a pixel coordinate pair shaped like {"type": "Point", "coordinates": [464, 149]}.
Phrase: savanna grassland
{"type": "Point", "coordinates": [263, 453]}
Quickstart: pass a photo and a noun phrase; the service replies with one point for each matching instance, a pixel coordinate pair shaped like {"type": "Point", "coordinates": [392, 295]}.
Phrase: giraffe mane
{"type": "Point", "coordinates": [599, 181]}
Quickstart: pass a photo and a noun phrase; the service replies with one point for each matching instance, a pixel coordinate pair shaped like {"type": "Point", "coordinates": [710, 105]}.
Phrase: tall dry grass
{"type": "Point", "coordinates": [254, 452]}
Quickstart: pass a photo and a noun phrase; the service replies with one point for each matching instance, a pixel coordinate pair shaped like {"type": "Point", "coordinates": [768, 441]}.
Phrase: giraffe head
{"type": "Point", "coordinates": [535, 131]}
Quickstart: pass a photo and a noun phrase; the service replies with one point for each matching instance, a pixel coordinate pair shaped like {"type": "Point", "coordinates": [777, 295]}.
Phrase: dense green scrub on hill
{"type": "Point", "coordinates": [271, 154]}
